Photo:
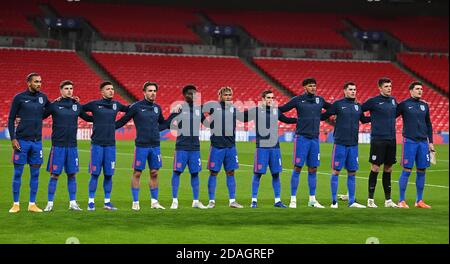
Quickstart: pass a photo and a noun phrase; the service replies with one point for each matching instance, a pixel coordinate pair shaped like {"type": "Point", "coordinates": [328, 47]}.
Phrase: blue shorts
{"type": "Point", "coordinates": [63, 157]}
{"type": "Point", "coordinates": [144, 155]}
{"type": "Point", "coordinates": [417, 151]}
{"type": "Point", "coordinates": [306, 149]}
{"type": "Point", "coordinates": [344, 155]}
{"type": "Point", "coordinates": [267, 156]}
{"type": "Point", "coordinates": [190, 158]}
{"type": "Point", "coordinates": [227, 156]}
{"type": "Point", "coordinates": [30, 152]}
{"type": "Point", "coordinates": [102, 156]}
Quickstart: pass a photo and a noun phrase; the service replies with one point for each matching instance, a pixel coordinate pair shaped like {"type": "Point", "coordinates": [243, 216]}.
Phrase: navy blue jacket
{"type": "Point", "coordinates": [309, 108]}
{"type": "Point", "coordinates": [147, 117]}
{"type": "Point", "coordinates": [193, 116]}
{"type": "Point", "coordinates": [383, 110]}
{"type": "Point", "coordinates": [65, 121]}
{"type": "Point", "coordinates": [266, 125]}
{"type": "Point", "coordinates": [226, 136]}
{"type": "Point", "coordinates": [416, 120]}
{"type": "Point", "coordinates": [348, 114]}
{"type": "Point", "coordinates": [104, 112]}
{"type": "Point", "coordinates": [29, 107]}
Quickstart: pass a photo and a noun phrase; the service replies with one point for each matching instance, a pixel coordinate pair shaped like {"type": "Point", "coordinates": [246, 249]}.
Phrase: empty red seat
{"type": "Point", "coordinates": [331, 76]}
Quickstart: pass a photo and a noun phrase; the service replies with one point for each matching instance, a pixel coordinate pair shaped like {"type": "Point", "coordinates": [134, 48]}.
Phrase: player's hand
{"type": "Point", "coordinates": [176, 109]}
{"type": "Point", "coordinates": [57, 99]}
{"type": "Point", "coordinates": [15, 144]}
{"type": "Point", "coordinates": [431, 147]}
{"type": "Point", "coordinates": [76, 98]}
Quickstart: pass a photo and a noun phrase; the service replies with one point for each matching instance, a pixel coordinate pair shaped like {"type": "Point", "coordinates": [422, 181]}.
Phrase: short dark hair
{"type": "Point", "coordinates": [413, 84]}
{"type": "Point", "coordinates": [31, 75]}
{"type": "Point", "coordinates": [189, 87]}
{"type": "Point", "coordinates": [64, 83]}
{"type": "Point", "coordinates": [266, 92]}
{"type": "Point", "coordinates": [347, 84]}
{"type": "Point", "coordinates": [309, 81]}
{"type": "Point", "coordinates": [383, 80]}
{"type": "Point", "coordinates": [147, 84]}
{"type": "Point", "coordinates": [103, 84]}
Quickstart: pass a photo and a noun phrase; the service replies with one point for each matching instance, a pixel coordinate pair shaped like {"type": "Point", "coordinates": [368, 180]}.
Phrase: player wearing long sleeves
{"type": "Point", "coordinates": [345, 149]}
{"type": "Point", "coordinates": [26, 139]}
{"type": "Point", "coordinates": [417, 142]}
{"type": "Point", "coordinates": [223, 144]}
{"type": "Point", "coordinates": [383, 145]}
{"type": "Point", "coordinates": [64, 152]}
{"type": "Point", "coordinates": [148, 119]}
{"type": "Point", "coordinates": [306, 145]}
{"type": "Point", "coordinates": [187, 149]}
{"type": "Point", "coordinates": [267, 152]}
{"type": "Point", "coordinates": [103, 142]}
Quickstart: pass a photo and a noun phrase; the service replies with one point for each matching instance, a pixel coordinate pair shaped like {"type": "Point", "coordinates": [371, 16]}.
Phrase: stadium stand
{"type": "Point", "coordinates": [131, 22]}
{"type": "Point", "coordinates": [54, 66]}
{"type": "Point", "coordinates": [173, 72]}
{"type": "Point", "coordinates": [285, 29]}
{"type": "Point", "coordinates": [419, 33]}
{"type": "Point", "coordinates": [433, 68]}
{"type": "Point", "coordinates": [13, 18]}
{"type": "Point", "coordinates": [331, 76]}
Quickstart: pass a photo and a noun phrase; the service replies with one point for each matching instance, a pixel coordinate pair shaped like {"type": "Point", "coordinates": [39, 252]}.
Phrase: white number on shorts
{"type": "Point", "coordinates": [318, 156]}
{"type": "Point", "coordinates": [159, 158]}
{"type": "Point", "coordinates": [279, 160]}
{"type": "Point", "coordinates": [40, 154]}
{"type": "Point", "coordinates": [237, 161]}
{"type": "Point", "coordinates": [113, 164]}
{"type": "Point", "coordinates": [428, 157]}
{"type": "Point", "coordinates": [76, 162]}
{"type": "Point", "coordinates": [199, 162]}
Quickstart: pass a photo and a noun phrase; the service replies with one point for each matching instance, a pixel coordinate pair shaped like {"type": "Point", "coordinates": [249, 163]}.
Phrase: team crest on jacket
{"type": "Point", "coordinates": [114, 106]}
{"type": "Point", "coordinates": [393, 102]}
{"type": "Point", "coordinates": [41, 100]}
{"type": "Point", "coordinates": [155, 109]}
{"type": "Point", "coordinates": [231, 109]}
{"type": "Point", "coordinates": [274, 111]}
{"type": "Point", "coordinates": [74, 107]}
{"type": "Point", "coordinates": [356, 107]}
{"type": "Point", "coordinates": [197, 112]}
{"type": "Point", "coordinates": [422, 107]}
{"type": "Point", "coordinates": [317, 100]}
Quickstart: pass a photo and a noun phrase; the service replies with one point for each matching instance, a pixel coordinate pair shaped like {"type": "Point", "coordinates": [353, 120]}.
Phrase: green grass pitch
{"type": "Point", "coordinates": [222, 224]}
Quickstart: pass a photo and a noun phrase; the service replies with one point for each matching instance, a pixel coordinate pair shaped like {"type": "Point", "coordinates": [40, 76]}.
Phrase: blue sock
{"type": "Point", "coordinates": [17, 181]}
{"type": "Point", "coordinates": [34, 183]}
{"type": "Point", "coordinates": [175, 183]}
{"type": "Point", "coordinates": [276, 185]}
{"type": "Point", "coordinates": [154, 193]}
{"type": "Point", "coordinates": [403, 183]}
{"type": "Point", "coordinates": [72, 187]}
{"type": "Point", "coordinates": [135, 193]}
{"type": "Point", "coordinates": [231, 184]}
{"type": "Point", "coordinates": [195, 183]}
{"type": "Point", "coordinates": [351, 186]}
{"type": "Point", "coordinates": [420, 184]}
{"type": "Point", "coordinates": [107, 186]}
{"type": "Point", "coordinates": [212, 187]}
{"type": "Point", "coordinates": [93, 186]}
{"type": "Point", "coordinates": [334, 187]}
{"type": "Point", "coordinates": [294, 182]}
{"type": "Point", "coordinates": [52, 188]}
{"type": "Point", "coordinates": [312, 181]}
{"type": "Point", "coordinates": [255, 184]}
